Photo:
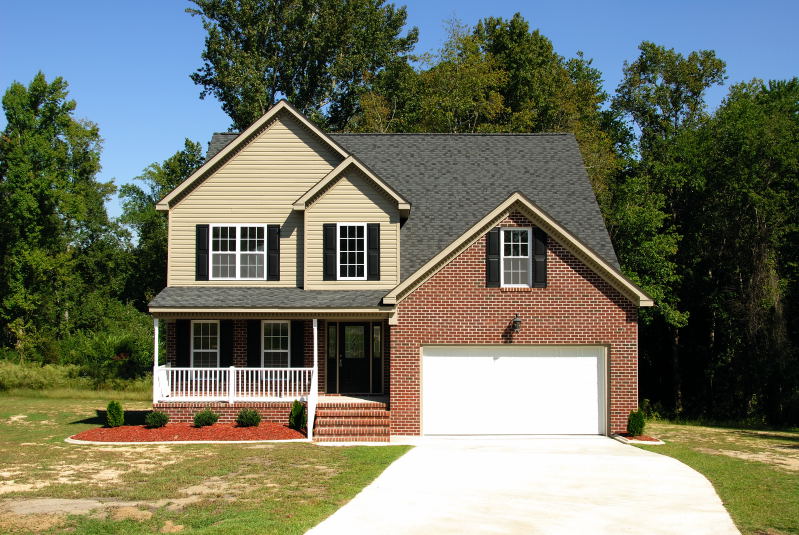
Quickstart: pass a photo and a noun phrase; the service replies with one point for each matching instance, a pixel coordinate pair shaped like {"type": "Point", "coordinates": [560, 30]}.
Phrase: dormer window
{"type": "Point", "coordinates": [238, 252]}
{"type": "Point", "coordinates": [351, 251]}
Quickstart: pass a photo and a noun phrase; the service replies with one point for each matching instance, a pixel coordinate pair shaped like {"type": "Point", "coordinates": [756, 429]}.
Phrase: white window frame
{"type": "Point", "coordinates": [218, 340]}
{"type": "Point", "coordinates": [263, 350]}
{"type": "Point", "coordinates": [529, 257]}
{"type": "Point", "coordinates": [237, 252]}
{"type": "Point", "coordinates": [365, 252]}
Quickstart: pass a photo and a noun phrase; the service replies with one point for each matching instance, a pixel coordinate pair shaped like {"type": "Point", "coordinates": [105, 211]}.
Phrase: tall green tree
{"type": "Point", "coordinates": [317, 54]}
{"type": "Point", "coordinates": [150, 226]}
{"type": "Point", "coordinates": [740, 262]}
{"type": "Point", "coordinates": [662, 96]}
{"type": "Point", "coordinates": [57, 243]}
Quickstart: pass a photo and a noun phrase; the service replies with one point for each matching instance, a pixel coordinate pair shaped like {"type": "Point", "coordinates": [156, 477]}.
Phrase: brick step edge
{"type": "Point", "coordinates": [354, 406]}
{"type": "Point", "coordinates": [350, 431]}
{"type": "Point", "coordinates": [352, 439]}
{"type": "Point", "coordinates": [352, 422]}
{"type": "Point", "coordinates": [328, 413]}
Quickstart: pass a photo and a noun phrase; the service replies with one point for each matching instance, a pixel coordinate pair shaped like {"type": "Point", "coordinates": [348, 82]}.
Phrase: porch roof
{"type": "Point", "coordinates": [176, 298]}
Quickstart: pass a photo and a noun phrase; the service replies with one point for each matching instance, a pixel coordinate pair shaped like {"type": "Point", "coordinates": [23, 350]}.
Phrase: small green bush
{"type": "Point", "coordinates": [636, 423]}
{"type": "Point", "coordinates": [156, 419]}
{"type": "Point", "coordinates": [205, 417]}
{"type": "Point", "coordinates": [298, 418]}
{"type": "Point", "coordinates": [114, 415]}
{"type": "Point", "coordinates": [248, 418]}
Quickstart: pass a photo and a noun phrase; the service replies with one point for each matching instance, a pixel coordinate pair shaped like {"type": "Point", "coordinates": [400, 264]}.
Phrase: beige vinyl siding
{"type": "Point", "coordinates": [353, 198]}
{"type": "Point", "coordinates": [258, 185]}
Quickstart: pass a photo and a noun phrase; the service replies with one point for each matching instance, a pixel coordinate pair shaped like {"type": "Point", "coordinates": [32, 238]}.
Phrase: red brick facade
{"type": "Point", "coordinates": [454, 306]}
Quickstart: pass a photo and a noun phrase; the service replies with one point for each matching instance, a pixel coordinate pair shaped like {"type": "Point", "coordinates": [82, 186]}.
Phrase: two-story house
{"type": "Point", "coordinates": [399, 284]}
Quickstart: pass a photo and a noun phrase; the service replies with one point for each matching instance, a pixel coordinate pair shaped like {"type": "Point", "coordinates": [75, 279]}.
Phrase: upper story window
{"type": "Point", "coordinates": [204, 344]}
{"type": "Point", "coordinates": [351, 251]}
{"type": "Point", "coordinates": [238, 252]}
{"type": "Point", "coordinates": [516, 260]}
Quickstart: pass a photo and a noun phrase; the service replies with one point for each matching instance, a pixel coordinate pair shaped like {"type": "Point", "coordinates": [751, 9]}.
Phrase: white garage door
{"type": "Point", "coordinates": [516, 390]}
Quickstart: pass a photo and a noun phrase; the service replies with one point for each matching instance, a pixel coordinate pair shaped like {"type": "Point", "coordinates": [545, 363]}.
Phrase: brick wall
{"type": "Point", "coordinates": [455, 307]}
{"type": "Point", "coordinates": [271, 411]}
{"type": "Point", "coordinates": [171, 348]}
{"type": "Point", "coordinates": [322, 355]}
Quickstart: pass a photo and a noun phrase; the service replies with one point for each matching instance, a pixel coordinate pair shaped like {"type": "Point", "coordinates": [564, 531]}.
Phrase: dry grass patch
{"type": "Point", "coordinates": [50, 486]}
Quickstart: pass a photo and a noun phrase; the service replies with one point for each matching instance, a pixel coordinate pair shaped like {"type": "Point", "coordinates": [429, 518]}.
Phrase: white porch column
{"type": "Point", "coordinates": [156, 386]}
{"type": "Point", "coordinates": [314, 393]}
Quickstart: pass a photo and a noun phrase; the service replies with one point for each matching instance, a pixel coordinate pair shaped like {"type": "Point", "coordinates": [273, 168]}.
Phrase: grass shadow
{"type": "Point", "coordinates": [134, 417]}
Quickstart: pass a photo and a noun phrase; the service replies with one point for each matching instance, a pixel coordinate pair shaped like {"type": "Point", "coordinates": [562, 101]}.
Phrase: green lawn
{"type": "Point", "coordinates": [236, 488]}
{"type": "Point", "coordinates": [756, 473]}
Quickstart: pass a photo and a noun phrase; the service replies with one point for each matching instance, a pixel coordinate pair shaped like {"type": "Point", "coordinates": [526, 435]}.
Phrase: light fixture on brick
{"type": "Point", "coordinates": [516, 324]}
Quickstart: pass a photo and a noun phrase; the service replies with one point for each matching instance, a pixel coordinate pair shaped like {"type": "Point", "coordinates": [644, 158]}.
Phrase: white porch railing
{"type": "Point", "coordinates": [231, 384]}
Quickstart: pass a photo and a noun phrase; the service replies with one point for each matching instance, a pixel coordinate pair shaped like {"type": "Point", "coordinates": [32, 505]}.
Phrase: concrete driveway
{"type": "Point", "coordinates": [553, 485]}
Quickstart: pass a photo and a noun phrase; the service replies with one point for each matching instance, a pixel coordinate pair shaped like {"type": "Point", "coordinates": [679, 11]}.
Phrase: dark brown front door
{"type": "Point", "coordinates": [354, 358]}
{"type": "Point", "coordinates": [353, 355]}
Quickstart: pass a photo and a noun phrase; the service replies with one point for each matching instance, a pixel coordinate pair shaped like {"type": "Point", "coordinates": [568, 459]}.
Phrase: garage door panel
{"type": "Point", "coordinates": [512, 390]}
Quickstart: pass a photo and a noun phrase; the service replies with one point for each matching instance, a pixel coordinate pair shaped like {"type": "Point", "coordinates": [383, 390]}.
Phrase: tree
{"type": "Point", "coordinates": [317, 54]}
{"type": "Point", "coordinates": [662, 95]}
{"type": "Point", "coordinates": [150, 226]}
{"type": "Point", "coordinates": [57, 243]}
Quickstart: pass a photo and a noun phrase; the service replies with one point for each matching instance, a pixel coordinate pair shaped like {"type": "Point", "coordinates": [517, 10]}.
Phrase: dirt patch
{"type": "Point", "coordinates": [35, 506]}
{"type": "Point", "coordinates": [169, 527]}
{"type": "Point", "coordinates": [10, 522]}
{"type": "Point", "coordinates": [131, 513]}
{"type": "Point", "coordinates": [777, 449]}
{"type": "Point", "coordinates": [186, 431]}
{"type": "Point", "coordinates": [787, 463]}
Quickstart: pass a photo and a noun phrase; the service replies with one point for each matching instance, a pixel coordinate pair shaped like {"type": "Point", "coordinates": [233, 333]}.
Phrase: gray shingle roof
{"type": "Point", "coordinates": [454, 180]}
{"type": "Point", "coordinates": [260, 297]}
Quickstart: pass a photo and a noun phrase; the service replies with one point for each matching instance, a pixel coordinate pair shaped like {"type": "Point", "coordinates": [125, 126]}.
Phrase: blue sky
{"type": "Point", "coordinates": [128, 63]}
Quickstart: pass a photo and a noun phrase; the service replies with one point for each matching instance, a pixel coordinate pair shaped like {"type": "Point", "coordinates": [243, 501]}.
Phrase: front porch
{"type": "Point", "coordinates": [336, 367]}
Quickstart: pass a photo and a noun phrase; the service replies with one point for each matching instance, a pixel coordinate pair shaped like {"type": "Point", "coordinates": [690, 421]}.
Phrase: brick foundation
{"type": "Point", "coordinates": [455, 307]}
{"type": "Point", "coordinates": [271, 411]}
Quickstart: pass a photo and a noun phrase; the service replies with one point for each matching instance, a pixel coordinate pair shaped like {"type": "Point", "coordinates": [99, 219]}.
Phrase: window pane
{"type": "Point", "coordinates": [252, 266]}
{"type": "Point", "coordinates": [276, 344]}
{"type": "Point", "coordinates": [352, 249]}
{"type": "Point", "coordinates": [377, 342]}
{"type": "Point", "coordinates": [353, 342]}
{"type": "Point", "coordinates": [223, 266]}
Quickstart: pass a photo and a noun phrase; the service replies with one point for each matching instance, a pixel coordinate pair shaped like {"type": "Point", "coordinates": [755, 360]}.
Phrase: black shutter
{"type": "Point", "coordinates": [254, 343]}
{"type": "Point", "coordinates": [273, 252]}
{"type": "Point", "coordinates": [225, 343]}
{"type": "Point", "coordinates": [182, 343]}
{"type": "Point", "coordinates": [492, 258]}
{"type": "Point", "coordinates": [297, 344]}
{"type": "Point", "coordinates": [201, 253]}
{"type": "Point", "coordinates": [539, 258]}
{"type": "Point", "coordinates": [373, 251]}
{"type": "Point", "coordinates": [329, 252]}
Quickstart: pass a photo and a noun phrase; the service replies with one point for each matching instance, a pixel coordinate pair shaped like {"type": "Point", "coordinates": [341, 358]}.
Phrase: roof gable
{"type": "Point", "coordinates": [214, 161]}
{"type": "Point", "coordinates": [320, 187]}
{"type": "Point", "coordinates": [542, 220]}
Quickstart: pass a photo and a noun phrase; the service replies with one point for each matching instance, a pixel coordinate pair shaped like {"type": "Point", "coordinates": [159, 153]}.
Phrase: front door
{"type": "Point", "coordinates": [353, 358]}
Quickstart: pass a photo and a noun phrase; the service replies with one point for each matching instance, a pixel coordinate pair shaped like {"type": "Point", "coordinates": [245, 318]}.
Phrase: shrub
{"type": "Point", "coordinates": [636, 423]}
{"type": "Point", "coordinates": [156, 419]}
{"type": "Point", "coordinates": [34, 376]}
{"type": "Point", "coordinates": [205, 417]}
{"type": "Point", "coordinates": [298, 418]}
{"type": "Point", "coordinates": [248, 418]}
{"type": "Point", "coordinates": [114, 415]}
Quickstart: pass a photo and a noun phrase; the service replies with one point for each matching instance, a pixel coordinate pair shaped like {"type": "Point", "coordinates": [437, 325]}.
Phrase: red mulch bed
{"type": "Point", "coordinates": [187, 431]}
{"type": "Point", "coordinates": [643, 438]}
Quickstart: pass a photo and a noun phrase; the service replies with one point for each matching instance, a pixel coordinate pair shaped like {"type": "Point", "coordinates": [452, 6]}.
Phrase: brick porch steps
{"type": "Point", "coordinates": [352, 422]}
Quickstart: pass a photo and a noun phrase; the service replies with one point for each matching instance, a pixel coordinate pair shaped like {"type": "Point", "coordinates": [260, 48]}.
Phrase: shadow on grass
{"type": "Point", "coordinates": [135, 417]}
{"type": "Point", "coordinates": [771, 436]}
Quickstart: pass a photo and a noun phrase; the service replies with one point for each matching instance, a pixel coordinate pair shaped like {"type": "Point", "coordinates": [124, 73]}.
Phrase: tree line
{"type": "Point", "coordinates": [701, 205]}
